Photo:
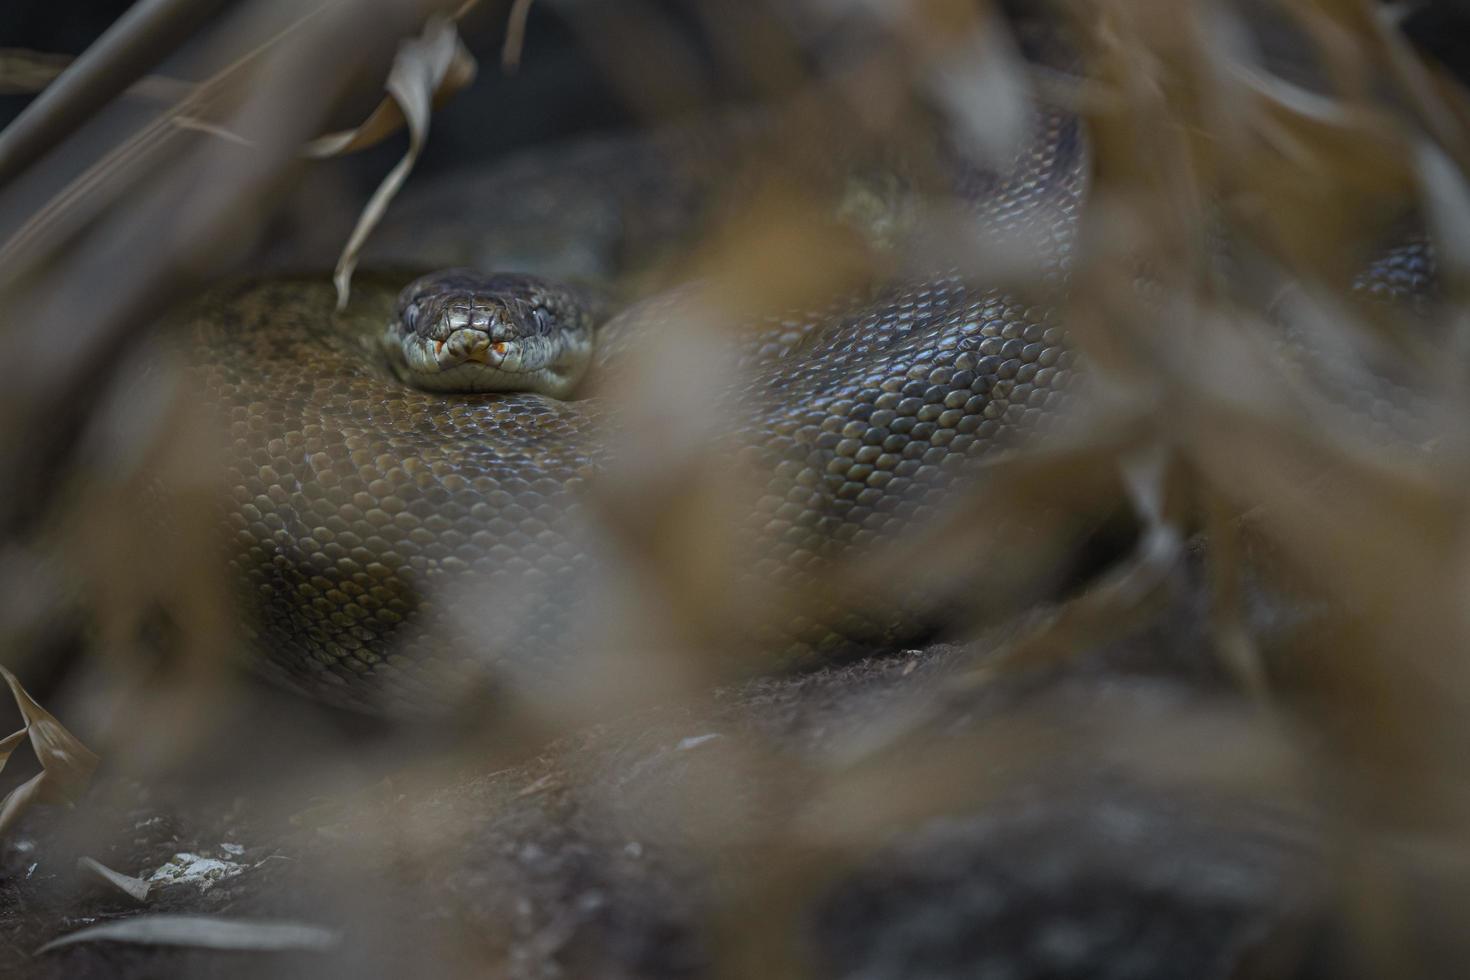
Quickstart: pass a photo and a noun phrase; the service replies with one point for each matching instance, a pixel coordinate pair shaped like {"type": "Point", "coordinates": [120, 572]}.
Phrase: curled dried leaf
{"type": "Point", "coordinates": [434, 64]}
{"type": "Point", "coordinates": [66, 764]}
{"type": "Point", "coordinates": [388, 117]}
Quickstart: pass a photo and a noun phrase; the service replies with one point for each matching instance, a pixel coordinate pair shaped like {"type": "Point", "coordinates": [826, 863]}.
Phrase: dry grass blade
{"type": "Point", "coordinates": [117, 59]}
{"type": "Point", "coordinates": [1204, 284]}
{"type": "Point", "coordinates": [204, 932]}
{"type": "Point", "coordinates": [66, 764]}
{"type": "Point", "coordinates": [96, 188]}
{"type": "Point", "coordinates": [1448, 200]}
{"type": "Point", "coordinates": [273, 95]}
{"type": "Point", "coordinates": [1121, 597]}
{"type": "Point", "coordinates": [515, 35]}
{"type": "Point", "coordinates": [25, 72]}
{"type": "Point", "coordinates": [1436, 105]}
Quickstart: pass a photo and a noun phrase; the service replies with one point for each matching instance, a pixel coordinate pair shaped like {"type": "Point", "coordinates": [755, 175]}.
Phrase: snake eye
{"type": "Point", "coordinates": [411, 317]}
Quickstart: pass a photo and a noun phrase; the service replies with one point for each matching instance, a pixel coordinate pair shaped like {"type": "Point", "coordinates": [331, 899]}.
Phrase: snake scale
{"type": "Point", "coordinates": [397, 546]}
{"type": "Point", "coordinates": [370, 520]}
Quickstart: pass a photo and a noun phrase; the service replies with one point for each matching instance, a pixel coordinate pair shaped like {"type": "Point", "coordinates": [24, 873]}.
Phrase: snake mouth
{"type": "Point", "coordinates": [493, 355]}
{"type": "Point", "coordinates": [470, 346]}
{"type": "Point", "coordinates": [470, 360]}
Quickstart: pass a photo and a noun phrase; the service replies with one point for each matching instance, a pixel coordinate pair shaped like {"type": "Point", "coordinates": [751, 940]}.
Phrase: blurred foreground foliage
{"type": "Point", "coordinates": [1283, 647]}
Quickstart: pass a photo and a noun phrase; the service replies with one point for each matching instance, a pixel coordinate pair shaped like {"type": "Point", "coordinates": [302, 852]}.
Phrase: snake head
{"type": "Point", "coordinates": [460, 330]}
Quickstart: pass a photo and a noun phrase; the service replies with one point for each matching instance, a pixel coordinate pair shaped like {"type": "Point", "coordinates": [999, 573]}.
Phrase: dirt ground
{"type": "Point", "coordinates": [798, 825]}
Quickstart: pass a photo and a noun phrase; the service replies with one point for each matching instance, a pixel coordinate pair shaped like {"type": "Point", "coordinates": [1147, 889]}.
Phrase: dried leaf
{"type": "Point", "coordinates": [19, 800]}
{"type": "Point", "coordinates": [435, 61]}
{"type": "Point", "coordinates": [66, 764]}
{"type": "Point", "coordinates": [388, 118]}
{"type": "Point", "coordinates": [135, 888]}
{"type": "Point", "coordinates": [204, 932]}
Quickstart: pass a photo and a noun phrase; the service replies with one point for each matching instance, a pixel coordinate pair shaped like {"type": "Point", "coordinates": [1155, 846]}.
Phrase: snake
{"type": "Point", "coordinates": [419, 484]}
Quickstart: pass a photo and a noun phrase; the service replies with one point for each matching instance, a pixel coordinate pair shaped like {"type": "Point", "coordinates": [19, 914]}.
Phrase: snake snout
{"type": "Point", "coordinates": [465, 345]}
{"type": "Point", "coordinates": [471, 345]}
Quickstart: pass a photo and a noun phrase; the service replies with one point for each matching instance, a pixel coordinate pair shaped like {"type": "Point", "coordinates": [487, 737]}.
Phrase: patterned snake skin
{"type": "Point", "coordinates": [404, 547]}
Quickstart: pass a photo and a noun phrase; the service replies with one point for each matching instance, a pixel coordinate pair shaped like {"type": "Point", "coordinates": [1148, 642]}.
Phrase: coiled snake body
{"type": "Point", "coordinates": [397, 543]}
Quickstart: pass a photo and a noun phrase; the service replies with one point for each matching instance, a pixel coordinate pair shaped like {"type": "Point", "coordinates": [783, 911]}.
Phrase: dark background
{"type": "Point", "coordinates": [559, 89]}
